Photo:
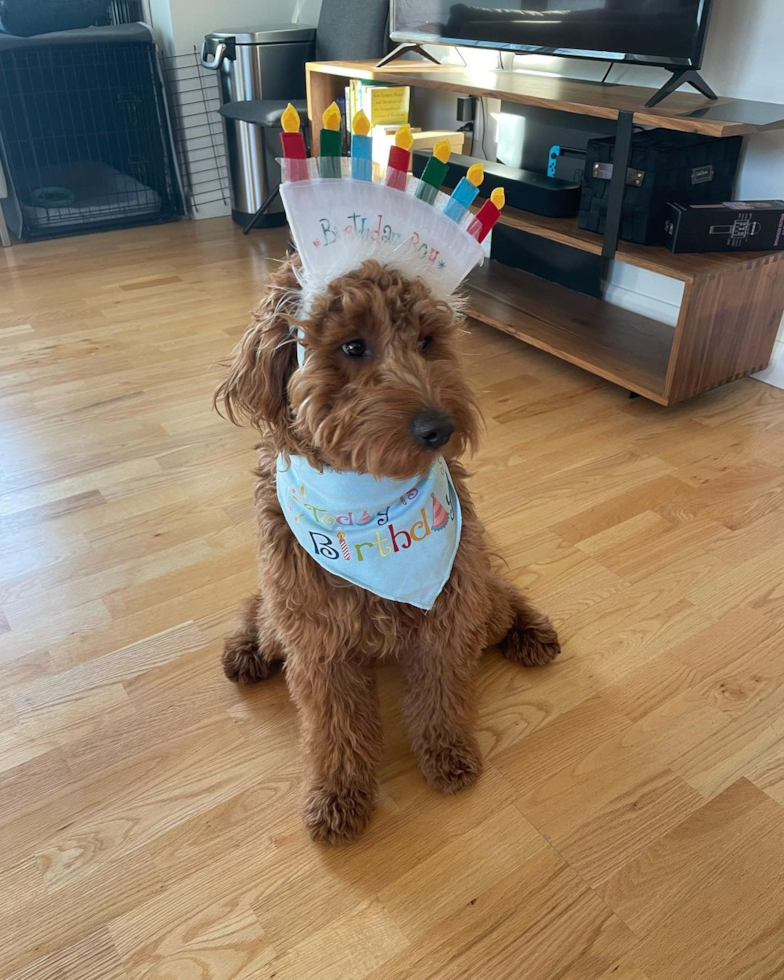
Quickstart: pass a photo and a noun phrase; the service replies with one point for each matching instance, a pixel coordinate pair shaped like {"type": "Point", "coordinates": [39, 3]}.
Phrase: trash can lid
{"type": "Point", "coordinates": [274, 34]}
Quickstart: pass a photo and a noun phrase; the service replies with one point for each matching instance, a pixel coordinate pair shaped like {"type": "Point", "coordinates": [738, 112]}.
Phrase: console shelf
{"type": "Point", "coordinates": [732, 303]}
{"type": "Point", "coordinates": [725, 331]}
{"type": "Point", "coordinates": [624, 347]}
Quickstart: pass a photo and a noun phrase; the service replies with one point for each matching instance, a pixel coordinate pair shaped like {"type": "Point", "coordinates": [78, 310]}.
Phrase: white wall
{"type": "Point", "coordinates": [179, 24]}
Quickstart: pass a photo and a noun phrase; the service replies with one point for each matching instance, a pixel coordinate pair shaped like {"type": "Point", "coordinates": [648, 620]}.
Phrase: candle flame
{"type": "Point", "coordinates": [442, 150]}
{"type": "Point", "coordinates": [498, 197]}
{"type": "Point", "coordinates": [404, 138]}
{"type": "Point", "coordinates": [476, 174]}
{"type": "Point", "coordinates": [331, 117]}
{"type": "Point", "coordinates": [360, 124]}
{"type": "Point", "coordinates": [290, 120]}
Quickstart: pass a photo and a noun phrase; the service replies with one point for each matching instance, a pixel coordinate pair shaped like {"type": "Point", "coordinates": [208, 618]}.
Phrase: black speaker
{"type": "Point", "coordinates": [524, 189]}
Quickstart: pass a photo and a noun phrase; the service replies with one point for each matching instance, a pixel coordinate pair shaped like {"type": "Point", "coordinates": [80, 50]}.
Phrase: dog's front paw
{"type": "Point", "coordinates": [243, 661]}
{"type": "Point", "coordinates": [451, 767]}
{"type": "Point", "coordinates": [334, 816]}
{"type": "Point", "coordinates": [532, 644]}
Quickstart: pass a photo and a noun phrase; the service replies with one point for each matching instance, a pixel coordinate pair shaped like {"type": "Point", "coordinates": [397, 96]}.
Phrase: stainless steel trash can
{"type": "Point", "coordinates": [265, 64]}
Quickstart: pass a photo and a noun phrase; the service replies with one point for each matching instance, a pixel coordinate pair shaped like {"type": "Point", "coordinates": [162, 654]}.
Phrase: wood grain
{"type": "Point", "coordinates": [629, 824]}
{"type": "Point", "coordinates": [616, 344]}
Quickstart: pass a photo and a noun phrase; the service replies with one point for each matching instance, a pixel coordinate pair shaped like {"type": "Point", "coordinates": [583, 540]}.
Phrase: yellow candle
{"type": "Point", "coordinates": [404, 138]}
{"type": "Point", "coordinates": [476, 174]}
{"type": "Point", "coordinates": [331, 117]}
{"type": "Point", "coordinates": [442, 150]}
{"type": "Point", "coordinates": [290, 120]}
{"type": "Point", "coordinates": [360, 124]}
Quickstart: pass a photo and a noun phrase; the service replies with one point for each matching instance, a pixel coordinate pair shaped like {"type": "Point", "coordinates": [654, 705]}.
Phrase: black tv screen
{"type": "Point", "coordinates": [654, 32]}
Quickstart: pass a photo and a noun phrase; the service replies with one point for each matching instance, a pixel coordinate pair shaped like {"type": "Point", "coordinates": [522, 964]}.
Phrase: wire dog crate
{"type": "Point", "coordinates": [85, 133]}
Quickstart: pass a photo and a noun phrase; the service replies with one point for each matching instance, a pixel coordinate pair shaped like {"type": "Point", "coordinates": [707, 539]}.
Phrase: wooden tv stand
{"type": "Point", "coordinates": [732, 303]}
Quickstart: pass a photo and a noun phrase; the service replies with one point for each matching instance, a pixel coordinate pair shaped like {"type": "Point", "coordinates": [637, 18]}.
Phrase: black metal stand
{"type": "Point", "coordinates": [621, 161]}
{"type": "Point", "coordinates": [402, 49]}
{"type": "Point", "coordinates": [264, 205]}
{"type": "Point", "coordinates": [682, 76]}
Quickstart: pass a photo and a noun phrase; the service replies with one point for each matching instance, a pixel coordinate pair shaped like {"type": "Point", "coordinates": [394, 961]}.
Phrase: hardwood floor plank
{"type": "Point", "coordinates": [629, 822]}
{"type": "Point", "coordinates": [92, 958]}
{"type": "Point", "coordinates": [542, 919]}
{"type": "Point", "coordinates": [736, 842]}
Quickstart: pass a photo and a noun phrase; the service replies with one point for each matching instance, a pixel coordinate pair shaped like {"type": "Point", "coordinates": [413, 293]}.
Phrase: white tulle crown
{"type": "Point", "coordinates": [341, 214]}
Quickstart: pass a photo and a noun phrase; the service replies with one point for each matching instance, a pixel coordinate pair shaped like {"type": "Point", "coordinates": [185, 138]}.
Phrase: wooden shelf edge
{"type": "Point", "coordinates": [683, 111]}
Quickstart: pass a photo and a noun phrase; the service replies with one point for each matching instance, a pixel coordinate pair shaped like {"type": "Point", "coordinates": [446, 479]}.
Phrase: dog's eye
{"type": "Point", "coordinates": [425, 343]}
{"type": "Point", "coordinates": [355, 348]}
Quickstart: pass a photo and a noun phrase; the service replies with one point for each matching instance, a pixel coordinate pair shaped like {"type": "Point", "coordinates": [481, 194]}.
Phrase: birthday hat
{"type": "Point", "coordinates": [340, 216]}
{"type": "Point", "coordinates": [440, 516]}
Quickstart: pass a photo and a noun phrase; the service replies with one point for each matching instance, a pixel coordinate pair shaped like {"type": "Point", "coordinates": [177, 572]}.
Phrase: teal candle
{"type": "Point", "coordinates": [330, 145]}
{"type": "Point", "coordinates": [434, 174]}
{"type": "Point", "coordinates": [461, 200]}
{"type": "Point", "coordinates": [361, 157]}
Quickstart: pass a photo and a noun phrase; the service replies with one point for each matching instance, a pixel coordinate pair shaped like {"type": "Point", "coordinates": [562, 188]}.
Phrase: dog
{"type": "Point", "coordinates": [380, 355]}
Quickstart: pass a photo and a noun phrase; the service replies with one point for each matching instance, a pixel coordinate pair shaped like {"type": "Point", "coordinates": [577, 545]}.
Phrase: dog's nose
{"type": "Point", "coordinates": [433, 428]}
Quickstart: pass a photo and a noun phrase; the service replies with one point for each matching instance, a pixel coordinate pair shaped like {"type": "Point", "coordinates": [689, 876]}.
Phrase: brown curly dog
{"type": "Point", "coordinates": [355, 413]}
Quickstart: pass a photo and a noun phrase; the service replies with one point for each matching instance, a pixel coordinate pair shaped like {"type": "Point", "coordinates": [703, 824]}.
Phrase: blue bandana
{"type": "Point", "coordinates": [395, 538]}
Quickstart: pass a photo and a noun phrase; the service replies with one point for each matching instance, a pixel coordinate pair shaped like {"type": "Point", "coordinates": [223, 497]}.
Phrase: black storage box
{"type": "Point", "coordinates": [665, 167]}
{"type": "Point", "coordinates": [736, 226]}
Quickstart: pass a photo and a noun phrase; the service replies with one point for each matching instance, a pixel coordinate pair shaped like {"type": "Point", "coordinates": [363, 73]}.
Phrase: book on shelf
{"type": "Point", "coordinates": [382, 103]}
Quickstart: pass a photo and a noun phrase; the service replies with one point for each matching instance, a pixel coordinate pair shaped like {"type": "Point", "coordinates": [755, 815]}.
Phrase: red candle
{"type": "Point", "coordinates": [482, 222]}
{"type": "Point", "coordinates": [293, 143]}
{"type": "Point", "coordinates": [400, 159]}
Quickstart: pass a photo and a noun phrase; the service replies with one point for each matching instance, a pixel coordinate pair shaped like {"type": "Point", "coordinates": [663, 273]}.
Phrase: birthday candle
{"type": "Point", "coordinates": [293, 144]}
{"type": "Point", "coordinates": [343, 545]}
{"type": "Point", "coordinates": [435, 172]}
{"type": "Point", "coordinates": [484, 219]}
{"type": "Point", "coordinates": [400, 158]}
{"type": "Point", "coordinates": [463, 195]}
{"type": "Point", "coordinates": [330, 143]}
{"type": "Point", "coordinates": [361, 148]}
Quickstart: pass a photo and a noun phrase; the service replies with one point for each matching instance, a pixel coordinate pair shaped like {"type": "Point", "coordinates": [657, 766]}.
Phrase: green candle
{"type": "Point", "coordinates": [434, 174]}
{"type": "Point", "coordinates": [330, 143]}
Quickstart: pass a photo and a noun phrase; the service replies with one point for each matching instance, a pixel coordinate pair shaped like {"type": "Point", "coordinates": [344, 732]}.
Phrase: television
{"type": "Point", "coordinates": [666, 33]}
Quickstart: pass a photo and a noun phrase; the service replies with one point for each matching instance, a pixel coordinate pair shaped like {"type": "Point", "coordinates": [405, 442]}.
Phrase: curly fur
{"type": "Point", "coordinates": [350, 413]}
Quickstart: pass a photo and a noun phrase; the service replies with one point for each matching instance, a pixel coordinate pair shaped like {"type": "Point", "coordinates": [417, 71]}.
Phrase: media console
{"type": "Point", "coordinates": [732, 303]}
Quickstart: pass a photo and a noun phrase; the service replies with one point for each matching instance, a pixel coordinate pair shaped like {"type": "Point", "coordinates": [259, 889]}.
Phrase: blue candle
{"type": "Point", "coordinates": [361, 148]}
{"type": "Point", "coordinates": [465, 193]}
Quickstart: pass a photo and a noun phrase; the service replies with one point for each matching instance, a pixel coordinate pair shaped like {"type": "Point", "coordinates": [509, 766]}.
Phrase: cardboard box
{"type": "Point", "coordinates": [735, 226]}
{"type": "Point", "coordinates": [384, 137]}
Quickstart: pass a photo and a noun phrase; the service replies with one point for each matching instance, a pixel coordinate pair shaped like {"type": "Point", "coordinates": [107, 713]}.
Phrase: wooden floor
{"type": "Point", "coordinates": [630, 821]}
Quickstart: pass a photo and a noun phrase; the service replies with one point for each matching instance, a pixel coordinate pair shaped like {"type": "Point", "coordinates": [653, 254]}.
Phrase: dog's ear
{"type": "Point", "coordinates": [263, 361]}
